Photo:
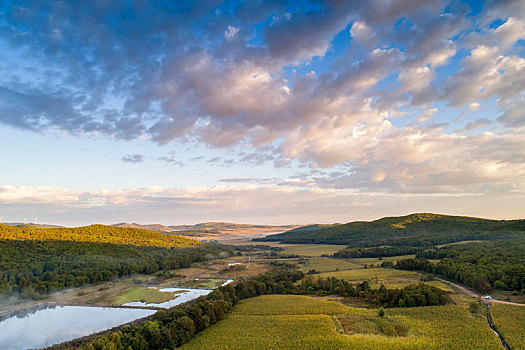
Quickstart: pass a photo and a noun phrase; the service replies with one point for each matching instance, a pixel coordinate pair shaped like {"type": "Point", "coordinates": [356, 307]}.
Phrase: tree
{"type": "Point", "coordinates": [475, 308]}
{"type": "Point", "coordinates": [381, 312]}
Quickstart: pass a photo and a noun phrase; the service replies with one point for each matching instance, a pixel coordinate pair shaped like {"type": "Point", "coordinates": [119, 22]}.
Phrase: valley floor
{"type": "Point", "coordinates": [300, 322]}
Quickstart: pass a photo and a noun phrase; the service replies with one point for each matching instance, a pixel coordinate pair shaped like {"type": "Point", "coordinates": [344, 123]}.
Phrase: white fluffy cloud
{"type": "Point", "coordinates": [248, 203]}
{"type": "Point", "coordinates": [274, 80]}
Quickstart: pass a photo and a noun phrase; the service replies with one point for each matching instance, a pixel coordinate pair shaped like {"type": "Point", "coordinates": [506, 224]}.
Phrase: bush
{"type": "Point", "coordinates": [475, 308]}
{"type": "Point", "coordinates": [381, 312]}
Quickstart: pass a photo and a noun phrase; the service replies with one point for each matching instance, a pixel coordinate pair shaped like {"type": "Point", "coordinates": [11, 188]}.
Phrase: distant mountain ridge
{"type": "Point", "coordinates": [213, 230]}
{"type": "Point", "coordinates": [21, 224]}
{"type": "Point", "coordinates": [230, 226]}
{"type": "Point", "coordinates": [150, 227]}
{"type": "Point", "coordinates": [420, 229]}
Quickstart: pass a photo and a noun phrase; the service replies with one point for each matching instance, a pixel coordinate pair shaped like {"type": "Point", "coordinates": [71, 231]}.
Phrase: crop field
{"type": "Point", "coordinates": [510, 321]}
{"type": "Point", "coordinates": [328, 264]}
{"type": "Point", "coordinates": [447, 327]}
{"type": "Point", "coordinates": [310, 249]}
{"type": "Point", "coordinates": [292, 305]}
{"type": "Point", "coordinates": [375, 275]}
{"type": "Point", "coordinates": [299, 249]}
{"type": "Point", "coordinates": [299, 322]}
{"type": "Point", "coordinates": [389, 277]}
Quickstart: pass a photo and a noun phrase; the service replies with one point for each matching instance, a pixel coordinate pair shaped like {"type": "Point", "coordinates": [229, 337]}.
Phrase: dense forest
{"type": "Point", "coordinates": [36, 261]}
{"type": "Point", "coordinates": [97, 234]}
{"type": "Point", "coordinates": [416, 230]}
{"type": "Point", "coordinates": [483, 265]}
{"type": "Point", "coordinates": [167, 330]}
{"type": "Point", "coordinates": [33, 268]}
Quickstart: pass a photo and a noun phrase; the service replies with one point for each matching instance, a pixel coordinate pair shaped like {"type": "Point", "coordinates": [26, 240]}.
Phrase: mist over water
{"type": "Point", "coordinates": [55, 325]}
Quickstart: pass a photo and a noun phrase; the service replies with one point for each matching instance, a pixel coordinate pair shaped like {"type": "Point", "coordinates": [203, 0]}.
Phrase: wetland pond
{"type": "Point", "coordinates": [53, 325]}
{"type": "Point", "coordinates": [183, 295]}
{"type": "Point", "coordinates": [61, 323]}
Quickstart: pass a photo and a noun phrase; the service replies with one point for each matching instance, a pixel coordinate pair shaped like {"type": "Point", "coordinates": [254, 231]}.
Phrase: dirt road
{"type": "Point", "coordinates": [472, 293]}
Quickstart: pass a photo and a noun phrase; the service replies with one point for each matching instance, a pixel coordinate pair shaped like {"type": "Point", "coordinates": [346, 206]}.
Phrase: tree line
{"type": "Point", "coordinates": [375, 252]}
{"type": "Point", "coordinates": [482, 265]}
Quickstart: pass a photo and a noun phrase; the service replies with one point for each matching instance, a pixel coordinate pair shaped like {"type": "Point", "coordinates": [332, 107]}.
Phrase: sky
{"type": "Point", "coordinates": [275, 112]}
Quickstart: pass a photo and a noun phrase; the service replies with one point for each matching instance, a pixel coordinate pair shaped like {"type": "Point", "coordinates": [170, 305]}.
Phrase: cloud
{"type": "Point", "coordinates": [133, 158]}
{"type": "Point", "coordinates": [478, 124]}
{"type": "Point", "coordinates": [171, 158]}
{"type": "Point", "coordinates": [361, 32]}
{"type": "Point", "coordinates": [37, 195]}
{"type": "Point", "coordinates": [486, 73]}
{"type": "Point", "coordinates": [231, 32]}
{"type": "Point", "coordinates": [247, 203]}
{"type": "Point", "coordinates": [514, 115]}
{"type": "Point", "coordinates": [303, 35]}
{"type": "Point", "coordinates": [293, 83]}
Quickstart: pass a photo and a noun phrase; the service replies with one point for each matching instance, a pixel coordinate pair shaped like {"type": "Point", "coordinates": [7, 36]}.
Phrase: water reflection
{"type": "Point", "coordinates": [184, 295]}
{"type": "Point", "coordinates": [40, 328]}
{"type": "Point", "coordinates": [55, 325]}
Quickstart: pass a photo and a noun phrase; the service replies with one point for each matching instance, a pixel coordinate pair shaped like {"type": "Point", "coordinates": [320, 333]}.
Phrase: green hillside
{"type": "Point", "coordinates": [422, 229]}
{"type": "Point", "coordinates": [97, 234]}
{"type": "Point", "coordinates": [37, 261]}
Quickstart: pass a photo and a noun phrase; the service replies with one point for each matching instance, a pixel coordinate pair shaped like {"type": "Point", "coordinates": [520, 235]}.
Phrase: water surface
{"type": "Point", "coordinates": [58, 324]}
{"type": "Point", "coordinates": [183, 295]}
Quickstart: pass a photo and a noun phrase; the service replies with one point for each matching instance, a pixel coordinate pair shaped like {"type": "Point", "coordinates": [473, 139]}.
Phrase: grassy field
{"type": "Point", "coordinates": [299, 249]}
{"type": "Point", "coordinates": [148, 295]}
{"type": "Point", "coordinates": [373, 275]}
{"type": "Point", "coordinates": [299, 322]}
{"type": "Point", "coordinates": [389, 277]}
{"type": "Point", "coordinates": [290, 305]}
{"type": "Point", "coordinates": [507, 295]}
{"type": "Point", "coordinates": [311, 249]}
{"type": "Point", "coordinates": [328, 264]}
{"type": "Point", "coordinates": [510, 321]}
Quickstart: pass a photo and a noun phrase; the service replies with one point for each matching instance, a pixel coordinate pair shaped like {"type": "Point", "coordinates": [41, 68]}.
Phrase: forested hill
{"type": "Point", "coordinates": [37, 261]}
{"type": "Point", "coordinates": [97, 234]}
{"type": "Point", "coordinates": [422, 229]}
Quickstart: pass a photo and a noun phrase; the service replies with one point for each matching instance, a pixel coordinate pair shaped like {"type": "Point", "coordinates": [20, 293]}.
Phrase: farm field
{"type": "Point", "coordinates": [299, 322]}
{"type": "Point", "coordinates": [510, 322]}
{"type": "Point", "coordinates": [389, 277]}
{"type": "Point", "coordinates": [299, 249]}
{"type": "Point", "coordinates": [310, 249]}
{"type": "Point", "coordinates": [328, 265]}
